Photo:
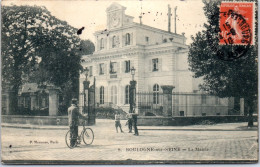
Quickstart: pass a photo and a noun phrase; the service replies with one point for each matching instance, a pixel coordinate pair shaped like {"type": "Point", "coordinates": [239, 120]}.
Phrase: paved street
{"type": "Point", "coordinates": [20, 144]}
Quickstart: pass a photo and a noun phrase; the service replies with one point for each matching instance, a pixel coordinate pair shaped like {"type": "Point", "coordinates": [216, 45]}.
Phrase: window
{"type": "Point", "coordinates": [127, 39]}
{"type": "Point", "coordinates": [155, 64]}
{"type": "Point", "coordinates": [101, 69]}
{"type": "Point", "coordinates": [27, 103]}
{"type": "Point", "coordinates": [127, 66]}
{"type": "Point", "coordinates": [147, 40]}
{"type": "Point", "coordinates": [203, 114]}
{"type": "Point", "coordinates": [156, 94]}
{"type": "Point", "coordinates": [102, 44]}
{"type": "Point", "coordinates": [203, 99]}
{"type": "Point", "coordinates": [127, 88]}
{"type": "Point", "coordinates": [90, 71]}
{"type": "Point", "coordinates": [182, 113]}
{"type": "Point", "coordinates": [101, 93]}
{"type": "Point", "coordinates": [114, 42]}
{"type": "Point", "coordinates": [114, 94]}
{"type": "Point", "coordinates": [113, 68]}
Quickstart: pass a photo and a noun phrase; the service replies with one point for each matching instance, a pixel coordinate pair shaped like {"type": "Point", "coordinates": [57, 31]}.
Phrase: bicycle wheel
{"type": "Point", "coordinates": [68, 139]}
{"type": "Point", "coordinates": [88, 136]}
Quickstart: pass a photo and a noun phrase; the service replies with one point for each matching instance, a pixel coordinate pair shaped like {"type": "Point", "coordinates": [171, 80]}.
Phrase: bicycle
{"type": "Point", "coordinates": [86, 134]}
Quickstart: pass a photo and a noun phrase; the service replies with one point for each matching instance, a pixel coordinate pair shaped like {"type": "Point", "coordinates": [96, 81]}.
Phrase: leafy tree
{"type": "Point", "coordinates": [86, 47]}
{"type": "Point", "coordinates": [38, 47]}
{"type": "Point", "coordinates": [234, 78]}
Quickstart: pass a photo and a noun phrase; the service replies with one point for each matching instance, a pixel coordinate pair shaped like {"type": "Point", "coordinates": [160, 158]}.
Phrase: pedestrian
{"type": "Point", "coordinates": [117, 122]}
{"type": "Point", "coordinates": [129, 122]}
{"type": "Point", "coordinates": [134, 116]}
{"type": "Point", "coordinates": [73, 117]}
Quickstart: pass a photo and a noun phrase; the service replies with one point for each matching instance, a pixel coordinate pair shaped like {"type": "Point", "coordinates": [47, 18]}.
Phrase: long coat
{"type": "Point", "coordinates": [74, 115]}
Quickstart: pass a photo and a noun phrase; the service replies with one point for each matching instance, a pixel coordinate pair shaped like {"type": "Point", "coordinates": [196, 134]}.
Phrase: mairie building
{"type": "Point", "coordinates": [159, 57]}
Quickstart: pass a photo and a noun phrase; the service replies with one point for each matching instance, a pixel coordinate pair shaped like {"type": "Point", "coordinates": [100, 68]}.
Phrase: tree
{"type": "Point", "coordinates": [86, 47]}
{"type": "Point", "coordinates": [224, 77]}
{"type": "Point", "coordinates": [38, 47]}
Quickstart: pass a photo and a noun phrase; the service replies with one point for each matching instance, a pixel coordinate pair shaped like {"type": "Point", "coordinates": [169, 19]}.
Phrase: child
{"type": "Point", "coordinates": [117, 122]}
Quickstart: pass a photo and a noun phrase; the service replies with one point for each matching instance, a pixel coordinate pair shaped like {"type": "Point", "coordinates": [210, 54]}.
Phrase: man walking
{"type": "Point", "coordinates": [73, 116]}
{"type": "Point", "coordinates": [129, 122]}
{"type": "Point", "coordinates": [134, 116]}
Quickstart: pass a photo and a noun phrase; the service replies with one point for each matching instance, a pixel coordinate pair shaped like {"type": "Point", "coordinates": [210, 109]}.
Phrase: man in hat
{"type": "Point", "coordinates": [73, 116]}
{"type": "Point", "coordinates": [134, 117]}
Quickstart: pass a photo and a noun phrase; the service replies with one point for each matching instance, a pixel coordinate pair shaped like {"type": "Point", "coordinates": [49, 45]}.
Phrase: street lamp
{"type": "Point", "coordinates": [133, 100]}
{"type": "Point", "coordinates": [132, 91]}
{"type": "Point", "coordinates": [133, 73]}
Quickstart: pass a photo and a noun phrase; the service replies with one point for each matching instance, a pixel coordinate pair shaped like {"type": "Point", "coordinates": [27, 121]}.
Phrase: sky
{"type": "Point", "coordinates": [92, 14]}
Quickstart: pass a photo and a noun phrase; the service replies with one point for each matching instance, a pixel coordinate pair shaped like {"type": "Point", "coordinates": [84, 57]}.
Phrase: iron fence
{"type": "Point", "coordinates": [182, 104]}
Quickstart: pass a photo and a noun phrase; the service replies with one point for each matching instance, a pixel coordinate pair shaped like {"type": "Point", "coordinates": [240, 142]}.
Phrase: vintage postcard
{"type": "Point", "coordinates": [129, 82]}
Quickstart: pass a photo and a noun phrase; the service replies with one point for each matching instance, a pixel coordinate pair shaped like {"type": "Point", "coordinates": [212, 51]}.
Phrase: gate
{"type": "Point", "coordinates": [88, 101]}
{"type": "Point", "coordinates": [150, 103]}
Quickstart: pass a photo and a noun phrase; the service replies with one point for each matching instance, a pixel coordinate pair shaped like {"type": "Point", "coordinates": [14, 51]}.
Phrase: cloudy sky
{"type": "Point", "coordinates": [92, 14]}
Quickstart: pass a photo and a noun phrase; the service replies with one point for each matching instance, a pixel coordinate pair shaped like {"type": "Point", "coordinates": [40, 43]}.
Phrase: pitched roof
{"type": "Point", "coordinates": [29, 88]}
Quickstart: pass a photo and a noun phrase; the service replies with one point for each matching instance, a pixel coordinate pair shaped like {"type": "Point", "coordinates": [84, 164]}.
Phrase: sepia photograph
{"type": "Point", "coordinates": [129, 82]}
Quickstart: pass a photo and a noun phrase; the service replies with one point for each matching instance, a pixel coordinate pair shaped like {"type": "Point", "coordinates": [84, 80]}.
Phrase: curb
{"type": "Point", "coordinates": [66, 128]}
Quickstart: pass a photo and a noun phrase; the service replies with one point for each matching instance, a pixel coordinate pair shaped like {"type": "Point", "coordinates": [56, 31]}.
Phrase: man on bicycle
{"type": "Point", "coordinates": [73, 117]}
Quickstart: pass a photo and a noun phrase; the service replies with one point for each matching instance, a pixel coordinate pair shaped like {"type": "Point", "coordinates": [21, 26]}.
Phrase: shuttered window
{"type": "Point", "coordinates": [127, 39]}
{"type": "Point", "coordinates": [127, 66]}
{"type": "Point", "coordinates": [102, 44]}
{"type": "Point", "coordinates": [127, 94]}
{"type": "Point", "coordinates": [155, 64]}
{"type": "Point", "coordinates": [101, 69]}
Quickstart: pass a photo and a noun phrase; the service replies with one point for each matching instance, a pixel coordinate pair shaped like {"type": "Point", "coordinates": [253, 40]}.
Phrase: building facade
{"type": "Point", "coordinates": [159, 57]}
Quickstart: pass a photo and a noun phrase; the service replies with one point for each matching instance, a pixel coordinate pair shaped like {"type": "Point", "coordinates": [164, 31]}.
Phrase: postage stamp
{"type": "Point", "coordinates": [236, 23]}
{"type": "Point", "coordinates": [129, 82]}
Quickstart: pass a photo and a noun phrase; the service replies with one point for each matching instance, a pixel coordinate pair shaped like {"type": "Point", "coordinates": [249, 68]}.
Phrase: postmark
{"type": "Point", "coordinates": [235, 35]}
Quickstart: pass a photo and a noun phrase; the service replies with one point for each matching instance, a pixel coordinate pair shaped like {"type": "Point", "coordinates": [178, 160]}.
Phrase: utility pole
{"type": "Point", "coordinates": [169, 18]}
{"type": "Point", "coordinates": [175, 9]}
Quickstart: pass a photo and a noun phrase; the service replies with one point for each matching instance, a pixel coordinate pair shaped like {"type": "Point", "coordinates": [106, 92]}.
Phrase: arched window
{"type": "Point", "coordinates": [156, 94]}
{"type": "Point", "coordinates": [102, 44]}
{"type": "Point", "coordinates": [114, 94]}
{"type": "Point", "coordinates": [101, 95]}
{"type": "Point", "coordinates": [127, 89]}
{"type": "Point", "coordinates": [114, 42]}
{"type": "Point", "coordinates": [127, 39]}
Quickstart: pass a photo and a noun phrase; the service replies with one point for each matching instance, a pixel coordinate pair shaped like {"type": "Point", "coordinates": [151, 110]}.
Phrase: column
{"type": "Point", "coordinates": [53, 101]}
{"type": "Point", "coordinates": [9, 102]}
{"type": "Point", "coordinates": [242, 106]}
{"type": "Point", "coordinates": [167, 100]}
{"type": "Point", "coordinates": [33, 101]}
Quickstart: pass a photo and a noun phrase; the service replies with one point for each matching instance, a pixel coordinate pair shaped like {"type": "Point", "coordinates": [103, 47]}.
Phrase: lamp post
{"type": "Point", "coordinates": [132, 91]}
{"type": "Point", "coordinates": [133, 101]}
{"type": "Point", "coordinates": [86, 87]}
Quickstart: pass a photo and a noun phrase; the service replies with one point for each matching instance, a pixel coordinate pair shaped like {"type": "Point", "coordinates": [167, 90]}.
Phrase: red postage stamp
{"type": "Point", "coordinates": [236, 23]}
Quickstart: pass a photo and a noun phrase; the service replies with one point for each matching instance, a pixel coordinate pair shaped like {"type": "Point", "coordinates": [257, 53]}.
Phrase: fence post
{"type": "Point", "coordinates": [167, 100]}
{"type": "Point", "coordinates": [242, 106]}
{"type": "Point", "coordinates": [53, 101]}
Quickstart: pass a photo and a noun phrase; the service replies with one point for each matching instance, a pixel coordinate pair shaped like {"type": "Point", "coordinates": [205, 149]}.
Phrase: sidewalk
{"type": "Point", "coordinates": [241, 126]}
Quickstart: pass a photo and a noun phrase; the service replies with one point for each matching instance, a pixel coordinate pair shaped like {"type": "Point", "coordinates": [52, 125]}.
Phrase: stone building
{"type": "Point", "coordinates": [159, 57]}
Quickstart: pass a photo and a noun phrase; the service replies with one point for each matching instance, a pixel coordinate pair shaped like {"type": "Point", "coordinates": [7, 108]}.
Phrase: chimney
{"type": "Point", "coordinates": [140, 17]}
{"type": "Point", "coordinates": [169, 18]}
